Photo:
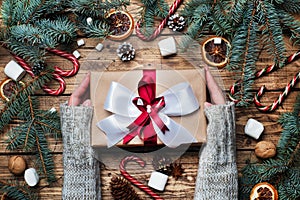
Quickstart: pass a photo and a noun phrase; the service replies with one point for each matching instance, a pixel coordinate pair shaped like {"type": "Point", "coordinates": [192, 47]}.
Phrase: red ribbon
{"type": "Point", "coordinates": [149, 106]}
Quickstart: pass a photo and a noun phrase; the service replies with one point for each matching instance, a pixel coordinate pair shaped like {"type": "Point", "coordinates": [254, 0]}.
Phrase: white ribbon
{"type": "Point", "coordinates": [179, 101]}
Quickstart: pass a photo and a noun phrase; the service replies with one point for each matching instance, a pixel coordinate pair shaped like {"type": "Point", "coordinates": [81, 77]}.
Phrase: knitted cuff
{"type": "Point", "coordinates": [220, 133]}
{"type": "Point", "coordinates": [81, 169]}
{"type": "Point", "coordinates": [217, 182]}
{"type": "Point", "coordinates": [217, 172]}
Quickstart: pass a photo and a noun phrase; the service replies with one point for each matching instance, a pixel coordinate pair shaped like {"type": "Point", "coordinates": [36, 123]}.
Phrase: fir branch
{"type": "Point", "coordinates": [61, 30]}
{"type": "Point", "coordinates": [290, 24]}
{"type": "Point", "coordinates": [45, 159]}
{"type": "Point", "coordinates": [12, 108]}
{"type": "Point", "coordinates": [7, 11]}
{"type": "Point", "coordinates": [291, 6]}
{"type": "Point", "coordinates": [238, 10]}
{"type": "Point", "coordinates": [220, 22]}
{"type": "Point", "coordinates": [147, 21]}
{"type": "Point", "coordinates": [244, 46]}
{"type": "Point", "coordinates": [30, 135]}
{"type": "Point", "coordinates": [197, 22]}
{"type": "Point", "coordinates": [95, 8]}
{"type": "Point", "coordinates": [152, 9]}
{"type": "Point", "coordinates": [27, 34]}
{"type": "Point", "coordinates": [33, 54]}
{"type": "Point", "coordinates": [28, 29]}
{"type": "Point", "coordinates": [278, 1]}
{"type": "Point", "coordinates": [161, 9]}
{"type": "Point", "coordinates": [97, 29]}
{"type": "Point", "coordinates": [17, 192]}
{"type": "Point", "coordinates": [275, 44]}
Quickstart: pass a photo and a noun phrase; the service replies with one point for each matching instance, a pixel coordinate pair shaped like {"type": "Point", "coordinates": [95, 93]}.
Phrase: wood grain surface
{"type": "Point", "coordinates": [148, 56]}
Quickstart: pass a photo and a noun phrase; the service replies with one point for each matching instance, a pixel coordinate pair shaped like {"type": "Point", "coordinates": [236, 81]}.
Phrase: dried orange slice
{"type": "Point", "coordinates": [9, 87]}
{"type": "Point", "coordinates": [215, 51]}
{"type": "Point", "coordinates": [121, 24]}
{"type": "Point", "coordinates": [264, 191]}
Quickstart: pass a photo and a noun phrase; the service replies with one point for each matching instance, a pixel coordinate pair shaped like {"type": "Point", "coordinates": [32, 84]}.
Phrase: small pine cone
{"type": "Point", "coordinates": [38, 68]}
{"type": "Point", "coordinates": [176, 22]}
{"type": "Point", "coordinates": [162, 164]}
{"type": "Point", "coordinates": [122, 190]}
{"type": "Point", "coordinates": [126, 52]}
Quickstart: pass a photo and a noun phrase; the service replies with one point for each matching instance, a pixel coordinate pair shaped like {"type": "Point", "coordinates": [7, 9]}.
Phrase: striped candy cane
{"type": "Point", "coordinates": [234, 89]}
{"type": "Point", "coordinates": [161, 26]}
{"type": "Point", "coordinates": [279, 100]}
{"type": "Point", "coordinates": [58, 72]}
{"type": "Point", "coordinates": [133, 180]}
{"type": "Point", "coordinates": [70, 57]}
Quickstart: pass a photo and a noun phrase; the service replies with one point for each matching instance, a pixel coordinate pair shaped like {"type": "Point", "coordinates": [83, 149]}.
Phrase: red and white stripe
{"type": "Point", "coordinates": [281, 97]}
{"type": "Point", "coordinates": [234, 88]}
{"type": "Point", "coordinates": [132, 179]}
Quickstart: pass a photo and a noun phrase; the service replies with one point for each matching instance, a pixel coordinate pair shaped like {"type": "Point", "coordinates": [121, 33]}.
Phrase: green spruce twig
{"type": "Point", "coordinates": [17, 191]}
{"type": "Point", "coordinates": [31, 134]}
{"type": "Point", "coordinates": [29, 27]}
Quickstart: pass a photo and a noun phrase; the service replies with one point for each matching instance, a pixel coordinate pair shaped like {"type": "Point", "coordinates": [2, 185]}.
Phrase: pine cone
{"type": "Point", "coordinates": [176, 22]}
{"type": "Point", "coordinates": [126, 52]}
{"type": "Point", "coordinates": [38, 68]}
{"type": "Point", "coordinates": [122, 190]}
{"type": "Point", "coordinates": [162, 164]}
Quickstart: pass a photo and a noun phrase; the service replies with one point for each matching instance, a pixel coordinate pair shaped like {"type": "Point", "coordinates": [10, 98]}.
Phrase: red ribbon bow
{"type": "Point", "coordinates": [149, 106]}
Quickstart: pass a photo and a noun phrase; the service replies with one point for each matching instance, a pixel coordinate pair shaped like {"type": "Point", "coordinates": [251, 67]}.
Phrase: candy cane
{"type": "Point", "coordinates": [234, 88]}
{"type": "Point", "coordinates": [281, 97]}
{"type": "Point", "coordinates": [161, 26]}
{"type": "Point", "coordinates": [60, 90]}
{"type": "Point", "coordinates": [133, 180]}
{"type": "Point", "coordinates": [58, 72]}
{"type": "Point", "coordinates": [24, 64]}
{"type": "Point", "coordinates": [68, 56]}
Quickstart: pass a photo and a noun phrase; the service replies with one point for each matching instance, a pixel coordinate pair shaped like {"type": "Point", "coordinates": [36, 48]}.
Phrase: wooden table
{"type": "Point", "coordinates": [183, 188]}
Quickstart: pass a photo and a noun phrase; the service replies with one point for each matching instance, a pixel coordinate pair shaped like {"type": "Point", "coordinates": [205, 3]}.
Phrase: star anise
{"type": "Point", "coordinates": [177, 170]}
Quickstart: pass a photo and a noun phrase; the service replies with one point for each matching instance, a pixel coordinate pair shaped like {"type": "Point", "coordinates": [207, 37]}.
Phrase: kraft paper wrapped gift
{"type": "Point", "coordinates": [192, 125]}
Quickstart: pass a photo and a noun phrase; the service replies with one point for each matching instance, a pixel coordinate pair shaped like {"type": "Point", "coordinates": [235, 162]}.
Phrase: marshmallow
{"type": "Point", "coordinates": [254, 128]}
{"type": "Point", "coordinates": [52, 110]}
{"type": "Point", "coordinates": [14, 71]}
{"type": "Point", "coordinates": [80, 42]}
{"type": "Point", "coordinates": [76, 54]}
{"type": "Point", "coordinates": [89, 20]}
{"type": "Point", "coordinates": [99, 47]}
{"type": "Point", "coordinates": [167, 46]}
{"type": "Point", "coordinates": [158, 181]}
{"type": "Point", "coordinates": [31, 177]}
{"type": "Point", "coordinates": [217, 40]}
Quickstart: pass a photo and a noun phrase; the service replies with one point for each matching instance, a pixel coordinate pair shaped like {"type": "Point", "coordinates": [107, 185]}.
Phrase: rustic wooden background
{"type": "Point", "coordinates": [183, 188]}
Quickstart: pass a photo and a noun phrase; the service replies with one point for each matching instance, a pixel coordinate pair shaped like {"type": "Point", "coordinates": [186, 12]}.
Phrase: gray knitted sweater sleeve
{"type": "Point", "coordinates": [81, 169]}
{"type": "Point", "coordinates": [217, 177]}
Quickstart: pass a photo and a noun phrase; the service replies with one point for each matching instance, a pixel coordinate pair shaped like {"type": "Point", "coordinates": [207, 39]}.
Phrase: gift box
{"type": "Point", "coordinates": [148, 107]}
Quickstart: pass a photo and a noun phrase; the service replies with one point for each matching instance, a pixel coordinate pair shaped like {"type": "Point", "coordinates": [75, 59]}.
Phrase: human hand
{"type": "Point", "coordinates": [215, 91]}
{"type": "Point", "coordinates": [81, 93]}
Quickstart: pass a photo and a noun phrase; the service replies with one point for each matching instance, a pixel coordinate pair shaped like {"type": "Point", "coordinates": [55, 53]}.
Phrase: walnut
{"type": "Point", "coordinates": [264, 149]}
{"type": "Point", "coordinates": [16, 165]}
